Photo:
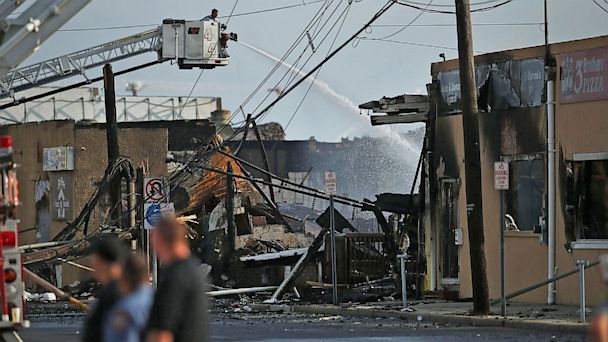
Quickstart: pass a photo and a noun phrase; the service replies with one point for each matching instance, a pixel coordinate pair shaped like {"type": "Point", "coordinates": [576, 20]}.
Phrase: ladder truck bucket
{"type": "Point", "coordinates": [196, 43]}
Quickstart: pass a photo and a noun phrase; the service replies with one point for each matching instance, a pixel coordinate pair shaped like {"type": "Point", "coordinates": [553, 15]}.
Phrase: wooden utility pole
{"type": "Point", "coordinates": [230, 210]}
{"type": "Point", "coordinates": [112, 137]}
{"type": "Point", "coordinates": [470, 125]}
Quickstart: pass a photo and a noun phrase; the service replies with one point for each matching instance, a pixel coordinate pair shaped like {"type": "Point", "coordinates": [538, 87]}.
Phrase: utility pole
{"type": "Point", "coordinates": [470, 125]}
{"type": "Point", "coordinates": [550, 116]}
{"type": "Point", "coordinates": [112, 141]}
{"type": "Point", "coordinates": [230, 210]}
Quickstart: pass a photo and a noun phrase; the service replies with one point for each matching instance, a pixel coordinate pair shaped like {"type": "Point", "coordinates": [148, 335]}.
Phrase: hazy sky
{"type": "Point", "coordinates": [360, 73]}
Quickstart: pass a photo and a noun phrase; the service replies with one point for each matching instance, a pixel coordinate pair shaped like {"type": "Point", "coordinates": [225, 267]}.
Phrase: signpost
{"type": "Point", "coordinates": [331, 189]}
{"type": "Point", "coordinates": [501, 184]}
{"type": "Point", "coordinates": [156, 206]}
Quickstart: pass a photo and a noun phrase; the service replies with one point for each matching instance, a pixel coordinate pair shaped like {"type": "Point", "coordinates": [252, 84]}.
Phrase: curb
{"type": "Point", "coordinates": [478, 321]}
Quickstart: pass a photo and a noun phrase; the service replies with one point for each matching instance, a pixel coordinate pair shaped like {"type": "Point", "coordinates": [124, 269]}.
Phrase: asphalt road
{"type": "Point", "coordinates": [305, 328]}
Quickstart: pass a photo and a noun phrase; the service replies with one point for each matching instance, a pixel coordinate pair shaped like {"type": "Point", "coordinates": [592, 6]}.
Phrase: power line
{"type": "Point", "coordinates": [454, 25]}
{"type": "Point", "coordinates": [414, 44]}
{"type": "Point", "coordinates": [314, 79]}
{"type": "Point", "coordinates": [485, 2]}
{"type": "Point", "coordinates": [600, 6]}
{"type": "Point", "coordinates": [418, 7]}
{"type": "Point", "coordinates": [102, 28]}
{"type": "Point", "coordinates": [207, 149]}
{"type": "Point", "coordinates": [178, 176]}
{"type": "Point", "coordinates": [408, 24]}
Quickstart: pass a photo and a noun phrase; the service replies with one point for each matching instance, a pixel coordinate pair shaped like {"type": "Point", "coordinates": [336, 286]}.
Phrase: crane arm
{"type": "Point", "coordinates": [21, 36]}
{"type": "Point", "coordinates": [77, 63]}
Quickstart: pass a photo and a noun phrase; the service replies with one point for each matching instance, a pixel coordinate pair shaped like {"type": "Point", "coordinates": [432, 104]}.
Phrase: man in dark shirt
{"type": "Point", "coordinates": [107, 255]}
{"type": "Point", "coordinates": [179, 312]}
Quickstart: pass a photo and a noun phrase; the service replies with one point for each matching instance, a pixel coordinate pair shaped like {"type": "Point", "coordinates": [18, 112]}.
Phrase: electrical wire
{"type": "Point", "coordinates": [416, 44]}
{"type": "Point", "coordinates": [236, 2]}
{"type": "Point", "coordinates": [207, 149]}
{"type": "Point", "coordinates": [483, 9]}
{"type": "Point", "coordinates": [314, 79]}
{"type": "Point", "coordinates": [273, 9]}
{"type": "Point", "coordinates": [484, 2]}
{"type": "Point", "coordinates": [454, 25]}
{"type": "Point", "coordinates": [600, 6]}
{"type": "Point", "coordinates": [408, 24]}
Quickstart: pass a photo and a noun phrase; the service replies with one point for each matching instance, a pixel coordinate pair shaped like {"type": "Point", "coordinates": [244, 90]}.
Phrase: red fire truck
{"type": "Point", "coordinates": [11, 280]}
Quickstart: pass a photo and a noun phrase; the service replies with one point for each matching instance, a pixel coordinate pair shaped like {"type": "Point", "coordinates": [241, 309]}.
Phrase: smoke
{"type": "Point", "coordinates": [359, 127]}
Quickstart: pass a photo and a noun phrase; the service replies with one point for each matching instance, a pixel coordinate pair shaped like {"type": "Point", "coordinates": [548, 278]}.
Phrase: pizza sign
{"type": "Point", "coordinates": [584, 76]}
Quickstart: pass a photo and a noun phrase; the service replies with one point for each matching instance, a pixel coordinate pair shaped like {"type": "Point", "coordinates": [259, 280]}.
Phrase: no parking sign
{"type": "Point", "coordinates": [155, 190]}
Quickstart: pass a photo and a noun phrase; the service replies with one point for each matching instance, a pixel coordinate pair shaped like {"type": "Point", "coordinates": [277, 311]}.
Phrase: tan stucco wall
{"type": "Point", "coordinates": [29, 140]}
{"type": "Point", "coordinates": [143, 146]}
{"type": "Point", "coordinates": [580, 128]}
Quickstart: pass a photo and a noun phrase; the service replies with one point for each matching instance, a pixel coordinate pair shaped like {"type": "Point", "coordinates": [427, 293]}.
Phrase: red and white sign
{"type": "Point", "coordinates": [584, 75]}
{"type": "Point", "coordinates": [331, 186]}
{"type": "Point", "coordinates": [501, 176]}
{"type": "Point", "coordinates": [155, 190]}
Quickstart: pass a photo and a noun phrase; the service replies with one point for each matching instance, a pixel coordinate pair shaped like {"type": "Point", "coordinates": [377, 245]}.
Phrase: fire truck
{"type": "Point", "coordinates": [11, 279]}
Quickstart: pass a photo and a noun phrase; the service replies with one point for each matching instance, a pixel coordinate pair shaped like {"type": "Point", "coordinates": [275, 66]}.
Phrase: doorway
{"type": "Point", "coordinates": [449, 224]}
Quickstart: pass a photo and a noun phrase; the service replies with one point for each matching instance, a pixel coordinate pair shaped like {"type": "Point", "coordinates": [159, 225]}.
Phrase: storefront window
{"type": "Point", "coordinates": [525, 197]}
{"type": "Point", "coordinates": [588, 199]}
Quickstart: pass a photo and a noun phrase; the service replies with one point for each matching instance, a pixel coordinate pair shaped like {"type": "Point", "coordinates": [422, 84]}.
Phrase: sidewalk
{"type": "Point", "coordinates": [556, 318]}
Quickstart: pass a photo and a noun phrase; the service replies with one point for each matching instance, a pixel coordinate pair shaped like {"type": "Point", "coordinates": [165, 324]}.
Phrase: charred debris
{"type": "Point", "coordinates": [255, 242]}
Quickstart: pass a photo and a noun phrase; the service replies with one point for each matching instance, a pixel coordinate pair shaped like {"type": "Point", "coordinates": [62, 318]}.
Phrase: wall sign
{"type": "Point", "coordinates": [58, 158]}
{"type": "Point", "coordinates": [62, 195]}
{"type": "Point", "coordinates": [584, 75]}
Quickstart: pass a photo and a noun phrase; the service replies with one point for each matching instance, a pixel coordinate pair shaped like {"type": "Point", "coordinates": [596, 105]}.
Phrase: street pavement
{"type": "Point", "coordinates": [265, 327]}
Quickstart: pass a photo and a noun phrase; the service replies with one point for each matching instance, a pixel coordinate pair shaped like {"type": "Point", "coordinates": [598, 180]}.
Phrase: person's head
{"type": "Point", "coordinates": [170, 240]}
{"type": "Point", "coordinates": [107, 255]}
{"type": "Point", "coordinates": [134, 274]}
{"type": "Point", "coordinates": [214, 13]}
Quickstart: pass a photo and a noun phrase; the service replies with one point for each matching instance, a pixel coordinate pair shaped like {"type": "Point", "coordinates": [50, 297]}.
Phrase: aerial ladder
{"type": "Point", "coordinates": [189, 43]}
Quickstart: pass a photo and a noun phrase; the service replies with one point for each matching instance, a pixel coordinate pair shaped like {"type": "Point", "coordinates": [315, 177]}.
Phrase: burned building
{"type": "Point", "coordinates": [512, 98]}
{"type": "Point", "coordinates": [62, 162]}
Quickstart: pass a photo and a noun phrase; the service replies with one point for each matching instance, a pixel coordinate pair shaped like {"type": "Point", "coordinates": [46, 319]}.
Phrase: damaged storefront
{"type": "Point", "coordinates": [513, 129]}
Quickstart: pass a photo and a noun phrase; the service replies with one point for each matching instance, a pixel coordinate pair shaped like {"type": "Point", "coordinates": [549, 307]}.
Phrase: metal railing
{"type": "Point", "coordinates": [582, 265]}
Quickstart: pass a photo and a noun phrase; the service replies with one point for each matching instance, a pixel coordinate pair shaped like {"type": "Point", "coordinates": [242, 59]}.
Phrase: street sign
{"type": "Point", "coordinates": [58, 158]}
{"type": "Point", "coordinates": [331, 186]}
{"type": "Point", "coordinates": [62, 195]}
{"type": "Point", "coordinates": [155, 190]}
{"type": "Point", "coordinates": [501, 176]}
{"type": "Point", "coordinates": [153, 212]}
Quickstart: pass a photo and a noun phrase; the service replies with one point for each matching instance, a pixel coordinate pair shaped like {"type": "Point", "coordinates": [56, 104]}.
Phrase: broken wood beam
{"type": "Point", "coordinates": [277, 214]}
{"type": "Point", "coordinates": [265, 159]}
{"type": "Point", "coordinates": [52, 288]}
{"type": "Point", "coordinates": [392, 247]}
{"type": "Point", "coordinates": [299, 266]}
{"type": "Point", "coordinates": [230, 292]}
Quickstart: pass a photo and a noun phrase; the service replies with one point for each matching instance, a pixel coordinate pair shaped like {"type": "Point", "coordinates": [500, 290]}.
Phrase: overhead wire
{"type": "Point", "coordinates": [600, 6]}
{"type": "Point", "coordinates": [314, 79]}
{"type": "Point", "coordinates": [454, 25]}
{"type": "Point", "coordinates": [118, 27]}
{"type": "Point", "coordinates": [430, 10]}
{"type": "Point", "coordinates": [295, 67]}
{"type": "Point", "coordinates": [207, 149]}
{"type": "Point", "coordinates": [204, 149]}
